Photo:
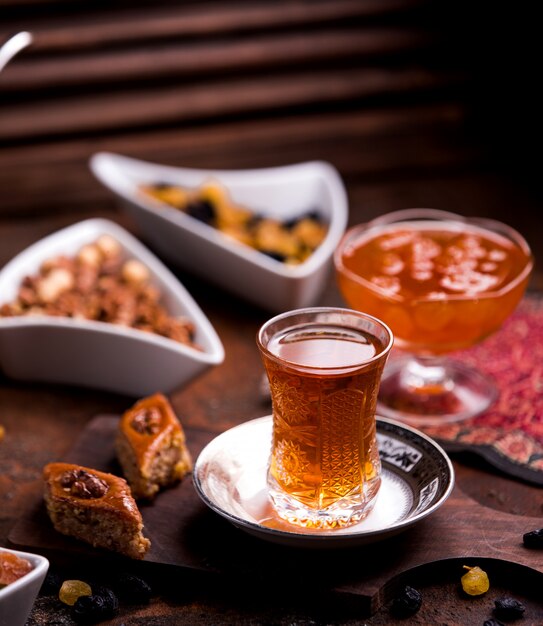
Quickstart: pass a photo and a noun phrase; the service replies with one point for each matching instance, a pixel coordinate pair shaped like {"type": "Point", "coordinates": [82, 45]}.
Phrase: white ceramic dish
{"type": "Point", "coordinates": [230, 477]}
{"type": "Point", "coordinates": [280, 192]}
{"type": "Point", "coordinates": [17, 598]}
{"type": "Point", "coordinates": [97, 354]}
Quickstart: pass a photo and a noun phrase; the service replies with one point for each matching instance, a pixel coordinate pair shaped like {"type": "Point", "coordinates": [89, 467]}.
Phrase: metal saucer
{"type": "Point", "coordinates": [230, 477]}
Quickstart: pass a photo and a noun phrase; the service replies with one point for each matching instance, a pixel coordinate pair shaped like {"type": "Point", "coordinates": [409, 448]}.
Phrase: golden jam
{"type": "Point", "coordinates": [440, 287]}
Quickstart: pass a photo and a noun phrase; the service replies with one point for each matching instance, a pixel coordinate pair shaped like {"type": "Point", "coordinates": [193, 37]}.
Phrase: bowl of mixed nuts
{"type": "Point", "coordinates": [89, 305]}
{"type": "Point", "coordinates": [266, 235]}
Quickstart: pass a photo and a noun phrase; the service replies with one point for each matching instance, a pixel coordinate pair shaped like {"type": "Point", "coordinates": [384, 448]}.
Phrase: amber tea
{"type": "Point", "coordinates": [324, 367]}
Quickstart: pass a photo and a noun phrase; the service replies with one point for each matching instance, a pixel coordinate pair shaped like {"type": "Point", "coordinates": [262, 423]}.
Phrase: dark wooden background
{"type": "Point", "coordinates": [417, 103]}
{"type": "Point", "coordinates": [389, 91]}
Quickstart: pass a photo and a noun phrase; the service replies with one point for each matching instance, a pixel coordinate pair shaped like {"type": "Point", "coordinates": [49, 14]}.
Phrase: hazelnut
{"type": "Point", "coordinates": [134, 271]}
{"type": "Point", "coordinates": [90, 255]}
{"type": "Point", "coordinates": [52, 285]}
{"type": "Point", "coordinates": [54, 263]}
{"type": "Point", "coordinates": [108, 246]}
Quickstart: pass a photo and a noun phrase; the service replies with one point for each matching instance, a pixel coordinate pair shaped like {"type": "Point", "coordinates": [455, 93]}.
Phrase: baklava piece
{"type": "Point", "coordinates": [151, 447]}
{"type": "Point", "coordinates": [95, 507]}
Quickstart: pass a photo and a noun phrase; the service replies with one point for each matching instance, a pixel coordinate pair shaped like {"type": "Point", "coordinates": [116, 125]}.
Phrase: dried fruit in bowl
{"type": "Point", "coordinates": [12, 567]}
{"type": "Point", "coordinates": [291, 241]}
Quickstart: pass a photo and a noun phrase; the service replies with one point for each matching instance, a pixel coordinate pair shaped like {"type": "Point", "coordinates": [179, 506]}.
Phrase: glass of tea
{"type": "Point", "coordinates": [324, 367]}
{"type": "Point", "coordinates": [442, 282]}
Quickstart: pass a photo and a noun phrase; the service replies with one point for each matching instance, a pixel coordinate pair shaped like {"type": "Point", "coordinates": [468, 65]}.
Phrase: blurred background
{"type": "Point", "coordinates": [416, 103]}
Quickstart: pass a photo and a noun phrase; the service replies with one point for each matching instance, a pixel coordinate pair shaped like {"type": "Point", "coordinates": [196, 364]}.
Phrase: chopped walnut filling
{"type": "Point", "coordinates": [99, 284]}
{"type": "Point", "coordinates": [83, 484]}
{"type": "Point", "coordinates": [147, 421]}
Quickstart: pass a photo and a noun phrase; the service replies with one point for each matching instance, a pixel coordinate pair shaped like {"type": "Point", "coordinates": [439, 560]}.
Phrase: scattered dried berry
{"type": "Point", "coordinates": [492, 622]}
{"type": "Point", "coordinates": [132, 589]}
{"type": "Point", "coordinates": [51, 585]}
{"type": "Point", "coordinates": [407, 603]}
{"type": "Point", "coordinates": [508, 608]}
{"type": "Point", "coordinates": [90, 609]}
{"type": "Point", "coordinates": [475, 582]}
{"type": "Point", "coordinates": [533, 539]}
{"type": "Point", "coordinates": [111, 602]}
{"type": "Point", "coordinates": [71, 590]}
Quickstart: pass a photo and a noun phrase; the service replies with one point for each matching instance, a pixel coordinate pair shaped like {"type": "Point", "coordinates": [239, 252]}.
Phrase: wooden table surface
{"type": "Point", "coordinates": [43, 421]}
{"type": "Point", "coordinates": [370, 86]}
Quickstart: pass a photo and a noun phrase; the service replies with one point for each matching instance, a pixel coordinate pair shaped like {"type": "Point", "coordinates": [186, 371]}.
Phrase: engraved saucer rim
{"type": "Point", "coordinates": [324, 538]}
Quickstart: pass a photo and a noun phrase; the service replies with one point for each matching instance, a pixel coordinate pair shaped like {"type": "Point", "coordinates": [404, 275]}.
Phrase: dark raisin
{"type": "Point", "coordinates": [492, 622]}
{"type": "Point", "coordinates": [533, 539]}
{"type": "Point", "coordinates": [52, 584]}
{"type": "Point", "coordinates": [90, 609]}
{"type": "Point", "coordinates": [111, 602]}
{"type": "Point", "coordinates": [508, 608]}
{"type": "Point", "coordinates": [132, 589]}
{"type": "Point", "coordinates": [314, 215]}
{"type": "Point", "coordinates": [291, 223]}
{"type": "Point", "coordinates": [254, 220]}
{"type": "Point", "coordinates": [308, 215]}
{"type": "Point", "coordinates": [202, 210]}
{"type": "Point", "coordinates": [275, 255]}
{"type": "Point", "coordinates": [407, 603]}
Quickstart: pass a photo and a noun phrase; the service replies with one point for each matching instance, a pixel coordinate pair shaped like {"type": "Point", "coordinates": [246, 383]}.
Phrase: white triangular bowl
{"type": "Point", "coordinates": [97, 354]}
{"type": "Point", "coordinates": [281, 192]}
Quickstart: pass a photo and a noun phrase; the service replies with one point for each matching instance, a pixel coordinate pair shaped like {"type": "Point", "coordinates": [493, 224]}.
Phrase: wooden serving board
{"type": "Point", "coordinates": [186, 534]}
